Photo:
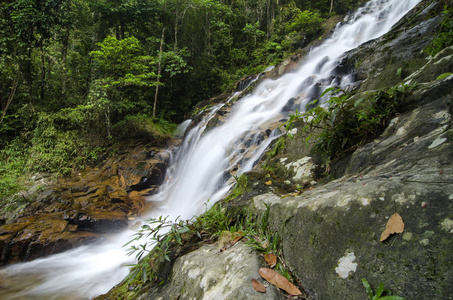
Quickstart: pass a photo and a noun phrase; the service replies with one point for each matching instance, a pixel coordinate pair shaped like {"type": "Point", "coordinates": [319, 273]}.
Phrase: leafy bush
{"type": "Point", "coordinates": [344, 123]}
{"type": "Point", "coordinates": [306, 22]}
{"type": "Point", "coordinates": [143, 125]}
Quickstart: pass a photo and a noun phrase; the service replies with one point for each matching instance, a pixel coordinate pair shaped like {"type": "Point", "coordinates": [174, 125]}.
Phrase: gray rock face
{"type": "Point", "coordinates": [208, 273]}
{"type": "Point", "coordinates": [331, 233]}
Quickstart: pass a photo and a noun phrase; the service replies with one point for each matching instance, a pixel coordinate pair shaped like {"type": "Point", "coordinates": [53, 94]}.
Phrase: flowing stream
{"type": "Point", "coordinates": [202, 167]}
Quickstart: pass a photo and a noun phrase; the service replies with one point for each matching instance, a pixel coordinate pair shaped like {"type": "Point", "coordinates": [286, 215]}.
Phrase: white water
{"type": "Point", "coordinates": [198, 172]}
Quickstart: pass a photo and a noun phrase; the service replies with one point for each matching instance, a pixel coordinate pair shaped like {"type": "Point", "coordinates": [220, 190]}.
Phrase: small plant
{"type": "Point", "coordinates": [158, 238]}
{"type": "Point", "coordinates": [242, 186]}
{"type": "Point", "coordinates": [162, 236]}
{"type": "Point", "coordinates": [344, 122]}
{"type": "Point", "coordinates": [159, 234]}
{"type": "Point", "coordinates": [381, 293]}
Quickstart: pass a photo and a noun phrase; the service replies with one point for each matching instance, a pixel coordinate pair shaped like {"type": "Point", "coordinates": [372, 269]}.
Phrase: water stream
{"type": "Point", "coordinates": [201, 168]}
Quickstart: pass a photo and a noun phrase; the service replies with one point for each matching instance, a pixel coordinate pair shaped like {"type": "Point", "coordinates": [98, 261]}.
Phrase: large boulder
{"type": "Point", "coordinates": [209, 273]}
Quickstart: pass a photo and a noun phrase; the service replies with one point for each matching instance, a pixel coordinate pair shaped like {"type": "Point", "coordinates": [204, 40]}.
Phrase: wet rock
{"type": "Point", "coordinates": [78, 210]}
{"type": "Point", "coordinates": [38, 236]}
{"type": "Point", "coordinates": [208, 273]}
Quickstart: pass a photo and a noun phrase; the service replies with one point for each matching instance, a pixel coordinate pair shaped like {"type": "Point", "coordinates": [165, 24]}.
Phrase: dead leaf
{"type": "Point", "coordinates": [271, 259]}
{"type": "Point", "coordinates": [265, 244]}
{"type": "Point", "coordinates": [394, 225]}
{"type": "Point", "coordinates": [232, 243]}
{"type": "Point", "coordinates": [258, 286]}
{"type": "Point", "coordinates": [268, 182]}
{"type": "Point", "coordinates": [279, 281]}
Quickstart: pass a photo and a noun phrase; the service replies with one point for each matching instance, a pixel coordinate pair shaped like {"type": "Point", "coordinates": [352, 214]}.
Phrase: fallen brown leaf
{"type": "Point", "coordinates": [258, 286]}
{"type": "Point", "coordinates": [394, 225]}
{"type": "Point", "coordinates": [232, 243]}
{"type": "Point", "coordinates": [265, 244]}
{"type": "Point", "coordinates": [279, 281]}
{"type": "Point", "coordinates": [271, 259]}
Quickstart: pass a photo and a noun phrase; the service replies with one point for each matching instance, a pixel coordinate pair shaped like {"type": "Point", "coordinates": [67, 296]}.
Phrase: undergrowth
{"type": "Point", "coordinates": [163, 238]}
{"type": "Point", "coordinates": [345, 122]}
{"type": "Point", "coordinates": [242, 186]}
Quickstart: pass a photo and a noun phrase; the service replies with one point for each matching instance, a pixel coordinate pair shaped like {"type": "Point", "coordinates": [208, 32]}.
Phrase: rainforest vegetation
{"type": "Point", "coordinates": [78, 75]}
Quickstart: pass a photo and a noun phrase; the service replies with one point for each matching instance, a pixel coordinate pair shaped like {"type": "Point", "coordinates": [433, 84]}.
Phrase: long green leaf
{"type": "Point", "coordinates": [391, 298]}
{"type": "Point", "coordinates": [367, 288]}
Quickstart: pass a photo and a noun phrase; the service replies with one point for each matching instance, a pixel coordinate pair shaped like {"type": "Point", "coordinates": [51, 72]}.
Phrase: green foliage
{"type": "Point", "coordinates": [122, 71]}
{"type": "Point", "coordinates": [213, 222]}
{"type": "Point", "coordinates": [381, 293]}
{"type": "Point", "coordinates": [280, 144]}
{"type": "Point", "coordinates": [12, 166]}
{"type": "Point", "coordinates": [344, 122]}
{"type": "Point", "coordinates": [242, 186]}
{"type": "Point", "coordinates": [444, 37]}
{"type": "Point", "coordinates": [162, 236]}
{"type": "Point", "coordinates": [443, 76]}
{"type": "Point", "coordinates": [143, 125]}
{"type": "Point", "coordinates": [306, 22]}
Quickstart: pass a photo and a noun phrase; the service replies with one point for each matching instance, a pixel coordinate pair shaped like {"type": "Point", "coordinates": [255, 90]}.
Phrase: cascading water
{"type": "Point", "coordinates": [203, 164]}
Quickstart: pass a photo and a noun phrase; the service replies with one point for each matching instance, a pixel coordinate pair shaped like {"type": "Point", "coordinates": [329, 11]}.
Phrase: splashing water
{"type": "Point", "coordinates": [203, 165]}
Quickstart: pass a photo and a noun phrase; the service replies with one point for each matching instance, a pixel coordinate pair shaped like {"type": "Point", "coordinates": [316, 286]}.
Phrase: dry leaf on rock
{"type": "Point", "coordinates": [279, 281]}
{"type": "Point", "coordinates": [271, 259]}
{"type": "Point", "coordinates": [258, 286]}
{"type": "Point", "coordinates": [232, 243]}
{"type": "Point", "coordinates": [394, 225]}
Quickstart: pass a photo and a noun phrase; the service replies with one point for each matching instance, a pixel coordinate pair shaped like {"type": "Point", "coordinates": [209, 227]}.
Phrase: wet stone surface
{"type": "Point", "coordinates": [79, 209]}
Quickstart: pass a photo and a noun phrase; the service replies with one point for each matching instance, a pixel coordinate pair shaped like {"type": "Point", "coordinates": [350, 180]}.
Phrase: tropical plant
{"type": "Point", "coordinates": [381, 293]}
{"type": "Point", "coordinates": [344, 122]}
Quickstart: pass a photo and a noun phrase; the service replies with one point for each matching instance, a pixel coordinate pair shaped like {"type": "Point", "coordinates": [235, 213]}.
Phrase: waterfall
{"type": "Point", "coordinates": [203, 166]}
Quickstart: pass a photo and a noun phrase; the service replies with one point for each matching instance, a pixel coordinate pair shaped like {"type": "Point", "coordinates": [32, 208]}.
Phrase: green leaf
{"type": "Point", "coordinates": [391, 298]}
{"type": "Point", "coordinates": [327, 91]}
{"type": "Point", "coordinates": [183, 230]}
{"type": "Point", "coordinates": [367, 288]}
{"type": "Point", "coordinates": [178, 239]}
{"type": "Point", "coordinates": [379, 290]}
{"type": "Point", "coordinates": [358, 102]}
{"type": "Point", "coordinates": [443, 76]}
{"type": "Point", "coordinates": [144, 275]}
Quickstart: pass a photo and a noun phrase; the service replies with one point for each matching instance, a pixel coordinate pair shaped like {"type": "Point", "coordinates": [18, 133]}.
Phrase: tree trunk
{"type": "Point", "coordinates": [159, 70]}
{"type": "Point", "coordinates": [108, 126]}
{"type": "Point", "coordinates": [10, 98]}
{"type": "Point", "coordinates": [43, 70]}
{"type": "Point", "coordinates": [331, 8]}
